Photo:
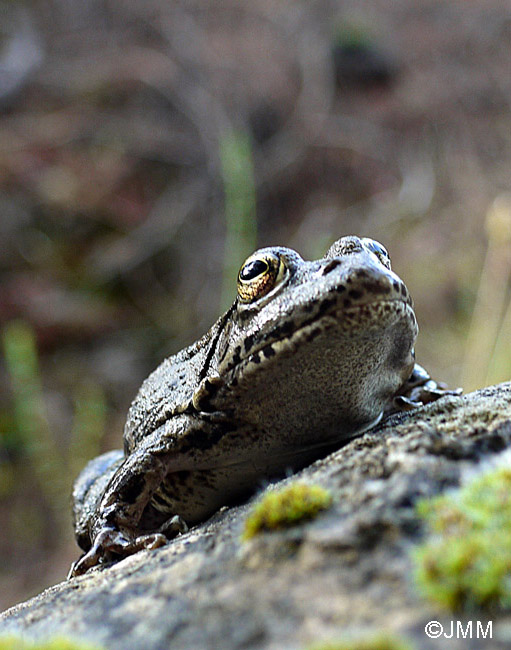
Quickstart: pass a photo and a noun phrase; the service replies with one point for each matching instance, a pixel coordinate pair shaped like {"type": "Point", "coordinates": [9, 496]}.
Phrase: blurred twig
{"type": "Point", "coordinates": [88, 426]}
{"type": "Point", "coordinates": [500, 365]}
{"type": "Point", "coordinates": [170, 210]}
{"type": "Point", "coordinates": [240, 207]}
{"type": "Point", "coordinates": [488, 318]}
{"type": "Point", "coordinates": [32, 424]}
{"type": "Point", "coordinates": [53, 467]}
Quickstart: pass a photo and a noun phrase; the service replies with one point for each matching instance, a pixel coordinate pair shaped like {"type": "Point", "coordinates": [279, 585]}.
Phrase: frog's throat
{"type": "Point", "coordinates": [289, 457]}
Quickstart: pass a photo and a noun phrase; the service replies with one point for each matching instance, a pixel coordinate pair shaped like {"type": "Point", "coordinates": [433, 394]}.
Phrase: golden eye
{"type": "Point", "coordinates": [258, 275]}
{"type": "Point", "coordinates": [379, 250]}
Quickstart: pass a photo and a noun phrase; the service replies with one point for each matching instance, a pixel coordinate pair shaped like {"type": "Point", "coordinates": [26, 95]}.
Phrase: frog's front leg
{"type": "Point", "coordinates": [113, 527]}
{"type": "Point", "coordinates": [420, 389]}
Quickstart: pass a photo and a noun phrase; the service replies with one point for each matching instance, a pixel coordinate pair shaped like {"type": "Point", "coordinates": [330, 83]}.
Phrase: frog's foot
{"type": "Point", "coordinates": [419, 390]}
{"type": "Point", "coordinates": [110, 544]}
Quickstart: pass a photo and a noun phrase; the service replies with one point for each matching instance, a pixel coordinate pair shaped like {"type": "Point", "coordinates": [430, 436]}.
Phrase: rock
{"type": "Point", "coordinates": [345, 572]}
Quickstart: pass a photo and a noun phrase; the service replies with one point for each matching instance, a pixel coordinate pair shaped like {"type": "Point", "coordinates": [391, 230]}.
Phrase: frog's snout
{"type": "Point", "coordinates": [377, 285]}
{"type": "Point", "coordinates": [364, 282]}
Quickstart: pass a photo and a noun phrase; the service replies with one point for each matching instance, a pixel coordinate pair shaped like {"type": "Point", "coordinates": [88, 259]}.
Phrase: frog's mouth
{"type": "Point", "coordinates": [357, 321]}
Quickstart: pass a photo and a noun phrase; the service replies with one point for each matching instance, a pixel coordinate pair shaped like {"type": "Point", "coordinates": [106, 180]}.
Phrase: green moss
{"type": "Point", "coordinates": [352, 35]}
{"type": "Point", "coordinates": [465, 562]}
{"type": "Point", "coordinates": [13, 643]}
{"type": "Point", "coordinates": [377, 642]}
{"type": "Point", "coordinates": [286, 507]}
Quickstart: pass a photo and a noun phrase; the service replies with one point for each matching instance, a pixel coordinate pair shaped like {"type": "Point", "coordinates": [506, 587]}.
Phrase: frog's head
{"type": "Point", "coordinates": [314, 345]}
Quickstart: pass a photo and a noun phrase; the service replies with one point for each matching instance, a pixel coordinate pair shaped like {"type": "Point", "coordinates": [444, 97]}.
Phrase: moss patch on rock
{"type": "Point", "coordinates": [465, 562]}
{"type": "Point", "coordinates": [286, 507]}
{"type": "Point", "coordinates": [16, 643]}
{"type": "Point", "coordinates": [377, 642]}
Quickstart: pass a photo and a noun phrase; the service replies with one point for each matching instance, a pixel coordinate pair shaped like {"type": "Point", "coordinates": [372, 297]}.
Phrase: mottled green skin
{"type": "Point", "coordinates": [273, 385]}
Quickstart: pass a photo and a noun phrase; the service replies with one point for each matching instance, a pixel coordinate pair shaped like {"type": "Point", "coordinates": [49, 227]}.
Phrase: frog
{"type": "Point", "coordinates": [310, 355]}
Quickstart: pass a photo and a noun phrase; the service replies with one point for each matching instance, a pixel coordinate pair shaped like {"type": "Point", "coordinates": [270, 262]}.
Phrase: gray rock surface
{"type": "Point", "coordinates": [346, 572]}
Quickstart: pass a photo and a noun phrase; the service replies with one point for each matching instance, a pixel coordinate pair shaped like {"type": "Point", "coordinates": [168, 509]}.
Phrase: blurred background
{"type": "Point", "coordinates": [146, 148]}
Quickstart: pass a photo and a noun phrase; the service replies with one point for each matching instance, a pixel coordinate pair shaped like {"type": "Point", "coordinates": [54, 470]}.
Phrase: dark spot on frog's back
{"type": "Point", "coordinates": [287, 328]}
{"type": "Point", "coordinates": [130, 493]}
{"type": "Point", "coordinates": [326, 305]}
{"type": "Point", "coordinates": [206, 439]}
{"type": "Point", "coordinates": [280, 331]}
{"type": "Point", "coordinates": [313, 334]}
{"type": "Point", "coordinates": [331, 266]}
{"type": "Point", "coordinates": [236, 358]}
{"type": "Point", "coordinates": [181, 477]}
{"type": "Point", "coordinates": [268, 351]}
{"type": "Point", "coordinates": [376, 288]}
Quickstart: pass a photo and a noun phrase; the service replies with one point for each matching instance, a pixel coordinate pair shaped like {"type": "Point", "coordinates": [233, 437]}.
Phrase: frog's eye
{"type": "Point", "coordinates": [379, 250]}
{"type": "Point", "coordinates": [258, 275]}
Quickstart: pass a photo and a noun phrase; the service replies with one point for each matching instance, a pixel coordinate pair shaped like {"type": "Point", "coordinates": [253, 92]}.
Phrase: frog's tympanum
{"type": "Point", "coordinates": [309, 355]}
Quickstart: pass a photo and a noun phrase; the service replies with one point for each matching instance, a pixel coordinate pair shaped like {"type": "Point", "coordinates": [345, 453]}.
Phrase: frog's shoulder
{"type": "Point", "coordinates": [169, 388]}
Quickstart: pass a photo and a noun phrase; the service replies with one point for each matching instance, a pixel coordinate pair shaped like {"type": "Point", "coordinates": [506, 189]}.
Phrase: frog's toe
{"type": "Point", "coordinates": [86, 562]}
{"type": "Point", "coordinates": [173, 526]}
{"type": "Point", "coordinates": [401, 403]}
{"type": "Point", "coordinates": [155, 540]}
{"type": "Point", "coordinates": [107, 544]}
{"type": "Point", "coordinates": [169, 529]}
{"type": "Point", "coordinates": [422, 395]}
{"type": "Point", "coordinates": [431, 392]}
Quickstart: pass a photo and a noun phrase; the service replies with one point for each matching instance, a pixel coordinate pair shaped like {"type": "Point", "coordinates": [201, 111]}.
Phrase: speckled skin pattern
{"type": "Point", "coordinates": [275, 383]}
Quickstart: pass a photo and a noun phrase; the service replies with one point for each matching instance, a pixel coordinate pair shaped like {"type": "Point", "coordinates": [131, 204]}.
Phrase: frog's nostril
{"type": "Point", "coordinates": [331, 266]}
